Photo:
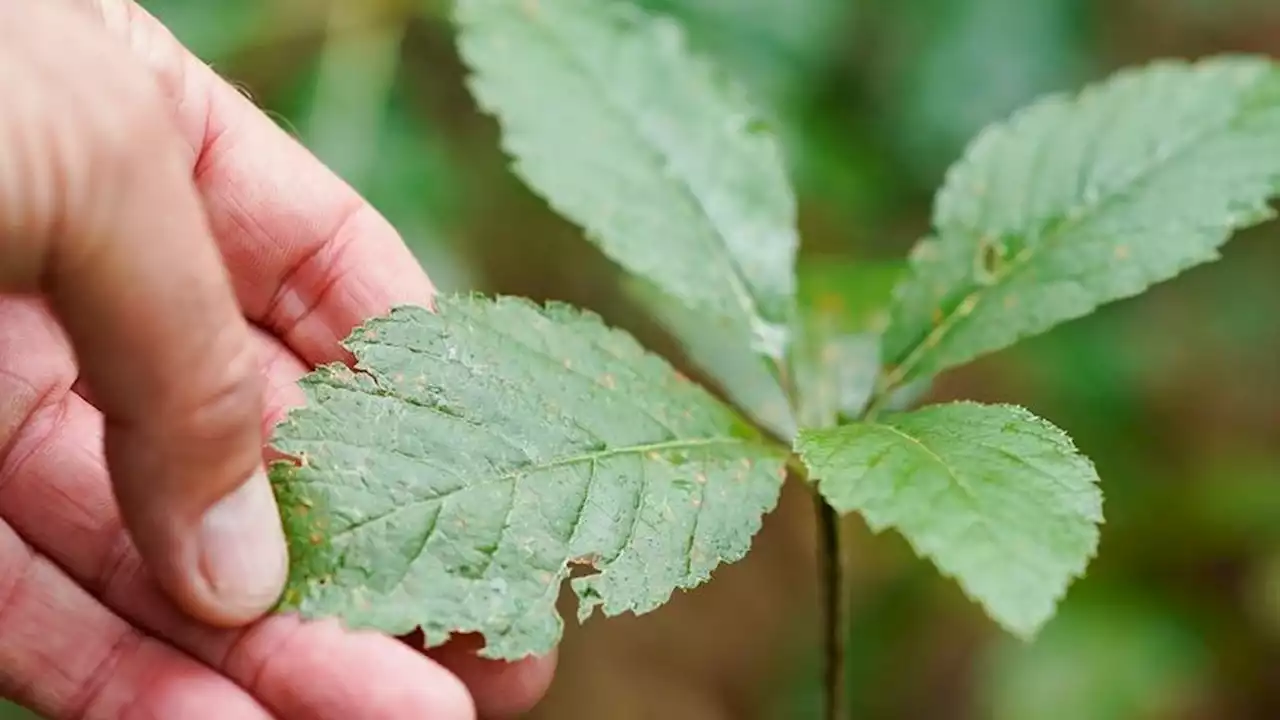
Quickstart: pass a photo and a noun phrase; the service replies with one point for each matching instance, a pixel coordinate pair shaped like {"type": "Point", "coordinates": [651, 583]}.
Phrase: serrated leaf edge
{"type": "Point", "coordinates": [1076, 573]}
{"type": "Point", "coordinates": [903, 371]}
{"type": "Point", "coordinates": [770, 337]}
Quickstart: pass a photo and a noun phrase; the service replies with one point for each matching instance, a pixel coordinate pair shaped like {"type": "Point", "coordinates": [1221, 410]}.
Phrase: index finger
{"type": "Point", "coordinates": [310, 259]}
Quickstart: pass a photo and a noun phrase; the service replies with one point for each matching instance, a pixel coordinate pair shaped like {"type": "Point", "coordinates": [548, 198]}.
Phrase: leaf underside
{"type": "Point", "coordinates": [1079, 201]}
{"type": "Point", "coordinates": [996, 497]}
{"type": "Point", "coordinates": [608, 115]}
{"type": "Point", "coordinates": [480, 452]}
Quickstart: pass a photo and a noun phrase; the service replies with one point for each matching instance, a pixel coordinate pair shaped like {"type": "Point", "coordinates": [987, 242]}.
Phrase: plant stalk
{"type": "Point", "coordinates": [834, 611]}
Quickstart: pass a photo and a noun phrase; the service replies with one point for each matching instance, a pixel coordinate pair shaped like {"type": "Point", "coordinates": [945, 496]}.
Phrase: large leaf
{"type": "Point", "coordinates": [660, 159]}
{"type": "Point", "coordinates": [477, 454]}
{"type": "Point", "coordinates": [993, 495]}
{"type": "Point", "coordinates": [1080, 201]}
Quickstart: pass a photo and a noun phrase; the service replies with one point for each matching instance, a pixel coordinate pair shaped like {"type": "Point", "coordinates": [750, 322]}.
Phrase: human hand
{"type": "Point", "coordinates": [190, 262]}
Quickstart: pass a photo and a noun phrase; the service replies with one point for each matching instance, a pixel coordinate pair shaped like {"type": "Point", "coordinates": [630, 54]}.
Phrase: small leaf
{"type": "Point", "coordinates": [477, 454]}
{"type": "Point", "coordinates": [660, 160]}
{"type": "Point", "coordinates": [835, 376]}
{"type": "Point", "coordinates": [843, 311]}
{"type": "Point", "coordinates": [993, 495]}
{"type": "Point", "coordinates": [1080, 201]}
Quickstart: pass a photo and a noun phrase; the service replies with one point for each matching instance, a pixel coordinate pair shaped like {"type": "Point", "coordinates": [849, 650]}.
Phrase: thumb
{"type": "Point", "coordinates": [98, 211]}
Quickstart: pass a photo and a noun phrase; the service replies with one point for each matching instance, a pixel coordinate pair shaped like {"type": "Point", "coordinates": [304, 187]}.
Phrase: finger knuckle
{"type": "Point", "coordinates": [86, 123]}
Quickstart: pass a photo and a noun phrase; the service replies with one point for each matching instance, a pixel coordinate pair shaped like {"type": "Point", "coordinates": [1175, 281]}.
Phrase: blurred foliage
{"type": "Point", "coordinates": [1176, 395]}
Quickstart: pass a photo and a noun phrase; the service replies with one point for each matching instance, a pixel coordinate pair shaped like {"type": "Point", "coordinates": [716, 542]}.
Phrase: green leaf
{"type": "Point", "coordinates": [993, 495]}
{"type": "Point", "coordinates": [1080, 201]}
{"type": "Point", "coordinates": [609, 116]}
{"type": "Point", "coordinates": [477, 454]}
{"type": "Point", "coordinates": [837, 351]}
{"type": "Point", "coordinates": [843, 311]}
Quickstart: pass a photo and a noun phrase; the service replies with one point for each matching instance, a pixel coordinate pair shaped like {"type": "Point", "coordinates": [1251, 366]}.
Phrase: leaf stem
{"type": "Point", "coordinates": [835, 614]}
{"type": "Point", "coordinates": [833, 605]}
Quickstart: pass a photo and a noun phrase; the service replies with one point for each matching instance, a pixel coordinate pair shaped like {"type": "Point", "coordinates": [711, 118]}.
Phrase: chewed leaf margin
{"type": "Point", "coordinates": [315, 564]}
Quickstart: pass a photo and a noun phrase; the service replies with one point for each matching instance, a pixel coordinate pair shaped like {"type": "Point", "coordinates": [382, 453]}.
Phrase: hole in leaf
{"type": "Point", "coordinates": [584, 565]}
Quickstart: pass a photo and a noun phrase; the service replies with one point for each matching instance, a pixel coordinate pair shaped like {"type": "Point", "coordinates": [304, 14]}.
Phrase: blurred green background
{"type": "Point", "coordinates": [1176, 395]}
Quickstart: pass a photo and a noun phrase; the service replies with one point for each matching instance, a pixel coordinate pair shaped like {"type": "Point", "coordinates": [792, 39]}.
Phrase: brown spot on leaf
{"type": "Point", "coordinates": [1122, 252]}
{"type": "Point", "coordinates": [700, 478]}
{"type": "Point", "coordinates": [568, 364]}
{"type": "Point", "coordinates": [697, 502]}
{"type": "Point", "coordinates": [608, 381]}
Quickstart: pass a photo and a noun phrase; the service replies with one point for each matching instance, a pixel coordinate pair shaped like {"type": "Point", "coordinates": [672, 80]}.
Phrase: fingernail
{"type": "Point", "coordinates": [242, 550]}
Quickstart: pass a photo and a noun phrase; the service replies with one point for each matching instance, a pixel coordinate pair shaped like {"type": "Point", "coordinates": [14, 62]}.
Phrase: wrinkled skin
{"type": "Point", "coordinates": [170, 264]}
